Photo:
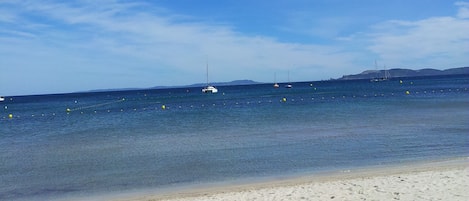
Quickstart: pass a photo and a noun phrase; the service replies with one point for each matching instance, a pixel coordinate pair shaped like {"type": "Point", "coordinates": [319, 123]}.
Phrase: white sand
{"type": "Point", "coordinates": [444, 180]}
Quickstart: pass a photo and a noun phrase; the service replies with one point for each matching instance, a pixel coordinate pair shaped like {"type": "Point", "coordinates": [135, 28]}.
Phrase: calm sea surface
{"type": "Point", "coordinates": [54, 146]}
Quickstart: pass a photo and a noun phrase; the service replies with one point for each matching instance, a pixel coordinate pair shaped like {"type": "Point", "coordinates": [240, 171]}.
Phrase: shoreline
{"type": "Point", "coordinates": [442, 179]}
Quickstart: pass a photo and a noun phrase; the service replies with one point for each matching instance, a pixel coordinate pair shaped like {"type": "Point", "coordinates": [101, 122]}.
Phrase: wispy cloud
{"type": "Point", "coordinates": [463, 11]}
{"type": "Point", "coordinates": [161, 42]}
{"type": "Point", "coordinates": [434, 42]}
{"type": "Point", "coordinates": [113, 44]}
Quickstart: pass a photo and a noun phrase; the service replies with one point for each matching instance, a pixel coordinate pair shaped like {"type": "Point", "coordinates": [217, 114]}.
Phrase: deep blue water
{"type": "Point", "coordinates": [114, 141]}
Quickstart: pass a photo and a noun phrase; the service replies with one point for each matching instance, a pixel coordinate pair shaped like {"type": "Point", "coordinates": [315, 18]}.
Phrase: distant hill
{"type": "Point", "coordinates": [398, 72]}
{"type": "Point", "coordinates": [217, 84]}
{"type": "Point", "coordinates": [109, 90]}
{"type": "Point", "coordinates": [369, 74]}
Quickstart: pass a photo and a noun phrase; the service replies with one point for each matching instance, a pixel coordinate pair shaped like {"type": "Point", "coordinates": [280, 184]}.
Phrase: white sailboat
{"type": "Point", "coordinates": [209, 88]}
{"type": "Point", "coordinates": [288, 85]}
{"type": "Point", "coordinates": [380, 79]}
{"type": "Point", "coordinates": [275, 81]}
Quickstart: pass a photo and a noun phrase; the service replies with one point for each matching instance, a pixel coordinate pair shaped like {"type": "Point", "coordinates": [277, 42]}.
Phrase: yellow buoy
{"type": "Point", "coordinates": [10, 116]}
{"type": "Point", "coordinates": [407, 92]}
{"type": "Point", "coordinates": [163, 107]}
{"type": "Point", "coordinates": [284, 99]}
{"type": "Point", "coordinates": [400, 81]}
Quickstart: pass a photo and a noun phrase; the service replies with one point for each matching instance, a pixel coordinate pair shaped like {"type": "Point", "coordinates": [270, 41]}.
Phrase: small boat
{"type": "Point", "coordinates": [381, 79]}
{"type": "Point", "coordinates": [209, 88]}
{"type": "Point", "coordinates": [275, 81]}
{"type": "Point", "coordinates": [289, 85]}
{"type": "Point", "coordinates": [2, 98]}
{"type": "Point", "coordinates": [378, 79]}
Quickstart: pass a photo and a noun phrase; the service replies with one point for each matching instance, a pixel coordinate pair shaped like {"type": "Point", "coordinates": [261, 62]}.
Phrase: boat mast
{"type": "Point", "coordinates": [377, 71]}
{"type": "Point", "coordinates": [275, 77]}
{"type": "Point", "coordinates": [376, 65]}
{"type": "Point", "coordinates": [206, 60]}
{"type": "Point", "coordinates": [386, 73]}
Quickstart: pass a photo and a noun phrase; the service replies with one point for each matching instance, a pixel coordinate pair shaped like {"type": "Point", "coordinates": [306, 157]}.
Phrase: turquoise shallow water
{"type": "Point", "coordinates": [114, 141]}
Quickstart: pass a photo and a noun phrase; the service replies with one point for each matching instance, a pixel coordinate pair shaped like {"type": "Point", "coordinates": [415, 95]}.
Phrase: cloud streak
{"type": "Point", "coordinates": [434, 42]}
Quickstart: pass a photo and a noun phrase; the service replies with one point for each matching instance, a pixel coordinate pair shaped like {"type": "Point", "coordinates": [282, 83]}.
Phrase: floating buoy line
{"type": "Point", "coordinates": [94, 106]}
{"type": "Point", "coordinates": [159, 104]}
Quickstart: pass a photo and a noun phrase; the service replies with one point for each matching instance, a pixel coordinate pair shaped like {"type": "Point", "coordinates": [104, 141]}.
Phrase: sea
{"type": "Point", "coordinates": [62, 146]}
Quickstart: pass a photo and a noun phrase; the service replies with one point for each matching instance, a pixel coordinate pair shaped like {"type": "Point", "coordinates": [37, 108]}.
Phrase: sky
{"type": "Point", "coordinates": [53, 46]}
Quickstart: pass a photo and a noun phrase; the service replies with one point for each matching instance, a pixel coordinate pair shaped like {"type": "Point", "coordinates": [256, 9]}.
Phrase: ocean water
{"type": "Point", "coordinates": [81, 144]}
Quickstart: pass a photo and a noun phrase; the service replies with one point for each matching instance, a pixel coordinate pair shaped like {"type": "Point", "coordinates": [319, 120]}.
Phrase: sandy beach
{"type": "Point", "coordinates": [437, 180]}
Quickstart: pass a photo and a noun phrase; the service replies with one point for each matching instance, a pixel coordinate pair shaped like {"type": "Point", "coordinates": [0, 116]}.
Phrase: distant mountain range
{"type": "Point", "coordinates": [398, 72]}
{"type": "Point", "coordinates": [369, 74]}
{"type": "Point", "coordinates": [235, 82]}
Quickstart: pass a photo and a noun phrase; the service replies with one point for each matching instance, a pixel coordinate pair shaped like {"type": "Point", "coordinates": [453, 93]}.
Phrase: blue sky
{"type": "Point", "coordinates": [66, 46]}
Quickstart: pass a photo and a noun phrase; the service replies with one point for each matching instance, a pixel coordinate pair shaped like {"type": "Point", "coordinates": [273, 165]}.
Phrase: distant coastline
{"type": "Point", "coordinates": [235, 82]}
{"type": "Point", "coordinates": [368, 74]}
{"type": "Point", "coordinates": [399, 72]}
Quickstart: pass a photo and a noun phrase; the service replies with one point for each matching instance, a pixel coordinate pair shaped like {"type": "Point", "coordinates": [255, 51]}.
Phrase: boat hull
{"type": "Point", "coordinates": [210, 89]}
